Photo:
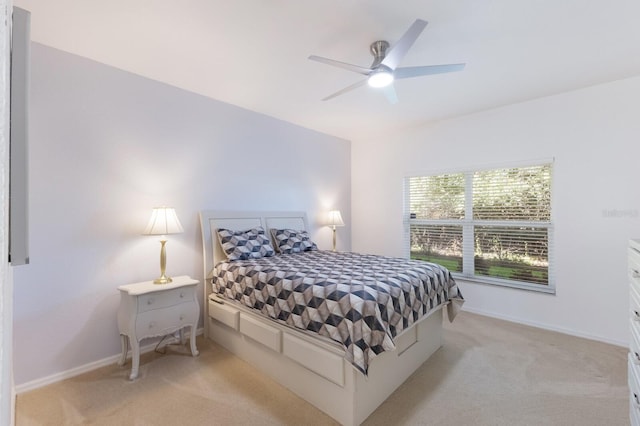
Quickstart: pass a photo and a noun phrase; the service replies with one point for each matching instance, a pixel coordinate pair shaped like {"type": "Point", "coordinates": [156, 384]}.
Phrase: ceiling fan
{"type": "Point", "coordinates": [384, 69]}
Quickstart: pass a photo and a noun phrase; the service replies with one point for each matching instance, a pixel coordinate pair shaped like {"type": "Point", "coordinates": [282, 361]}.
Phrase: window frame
{"type": "Point", "coordinates": [468, 224]}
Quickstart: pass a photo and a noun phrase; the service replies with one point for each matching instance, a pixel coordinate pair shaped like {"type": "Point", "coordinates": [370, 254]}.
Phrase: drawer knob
{"type": "Point", "coordinates": [635, 400]}
{"type": "Point", "coordinates": [181, 317]}
{"type": "Point", "coordinates": [637, 357]}
{"type": "Point", "coordinates": [152, 324]}
{"type": "Point", "coordinates": [150, 301]}
{"type": "Point", "coordinates": [635, 273]}
{"type": "Point", "coordinates": [181, 295]}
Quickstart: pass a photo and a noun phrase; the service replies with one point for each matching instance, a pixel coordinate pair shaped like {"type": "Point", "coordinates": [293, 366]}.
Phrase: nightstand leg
{"type": "Point", "coordinates": [192, 339]}
{"type": "Point", "coordinates": [124, 341]}
{"type": "Point", "coordinates": [135, 359]}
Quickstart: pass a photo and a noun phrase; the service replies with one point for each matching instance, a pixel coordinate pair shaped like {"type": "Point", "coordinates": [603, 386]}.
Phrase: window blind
{"type": "Point", "coordinates": [490, 225]}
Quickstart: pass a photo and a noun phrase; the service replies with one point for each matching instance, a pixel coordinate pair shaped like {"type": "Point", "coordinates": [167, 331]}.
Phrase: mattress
{"type": "Point", "coordinates": [361, 301]}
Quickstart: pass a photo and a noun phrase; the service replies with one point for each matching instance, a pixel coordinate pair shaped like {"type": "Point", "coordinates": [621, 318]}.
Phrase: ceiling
{"type": "Point", "coordinates": [253, 53]}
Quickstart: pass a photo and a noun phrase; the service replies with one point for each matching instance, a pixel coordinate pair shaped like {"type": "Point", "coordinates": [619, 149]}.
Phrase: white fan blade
{"type": "Point", "coordinates": [346, 89]}
{"type": "Point", "coordinates": [343, 65]}
{"type": "Point", "coordinates": [410, 72]}
{"type": "Point", "coordinates": [390, 93]}
{"type": "Point", "coordinates": [400, 49]}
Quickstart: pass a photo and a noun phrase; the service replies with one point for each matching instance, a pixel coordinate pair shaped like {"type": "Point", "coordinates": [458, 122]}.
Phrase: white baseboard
{"type": "Point", "coordinates": [58, 377]}
{"type": "Point", "coordinates": [545, 326]}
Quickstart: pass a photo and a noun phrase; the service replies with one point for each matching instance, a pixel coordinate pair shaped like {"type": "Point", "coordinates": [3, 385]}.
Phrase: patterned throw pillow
{"type": "Point", "coordinates": [291, 241]}
{"type": "Point", "coordinates": [243, 245]}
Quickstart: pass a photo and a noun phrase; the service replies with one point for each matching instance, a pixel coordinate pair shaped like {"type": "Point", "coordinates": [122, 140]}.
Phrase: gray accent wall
{"type": "Point", "coordinates": [106, 146]}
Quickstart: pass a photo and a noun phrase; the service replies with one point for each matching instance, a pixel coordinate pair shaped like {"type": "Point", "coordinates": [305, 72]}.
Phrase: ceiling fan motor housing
{"type": "Point", "coordinates": [379, 51]}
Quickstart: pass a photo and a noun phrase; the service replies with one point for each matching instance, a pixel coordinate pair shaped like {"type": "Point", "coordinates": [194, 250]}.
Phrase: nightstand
{"type": "Point", "coordinates": [153, 310]}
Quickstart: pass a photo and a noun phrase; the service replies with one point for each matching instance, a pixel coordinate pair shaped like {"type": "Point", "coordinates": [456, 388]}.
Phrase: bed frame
{"type": "Point", "coordinates": [314, 368]}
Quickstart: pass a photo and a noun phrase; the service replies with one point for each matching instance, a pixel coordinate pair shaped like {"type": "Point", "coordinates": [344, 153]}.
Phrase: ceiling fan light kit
{"type": "Point", "coordinates": [384, 69]}
{"type": "Point", "coordinates": [380, 77]}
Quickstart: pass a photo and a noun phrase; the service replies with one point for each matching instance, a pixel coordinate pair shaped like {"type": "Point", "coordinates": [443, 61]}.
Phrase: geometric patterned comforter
{"type": "Point", "coordinates": [360, 301]}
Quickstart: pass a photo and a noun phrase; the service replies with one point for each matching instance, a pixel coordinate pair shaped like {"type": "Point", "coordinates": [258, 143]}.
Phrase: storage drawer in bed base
{"type": "Point", "coordinates": [225, 314]}
{"type": "Point", "coordinates": [269, 336]}
{"type": "Point", "coordinates": [245, 324]}
{"type": "Point", "coordinates": [327, 365]}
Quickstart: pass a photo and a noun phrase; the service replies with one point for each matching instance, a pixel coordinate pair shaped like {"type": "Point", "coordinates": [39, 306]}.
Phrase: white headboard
{"type": "Point", "coordinates": [212, 253]}
{"type": "Point", "coordinates": [210, 220]}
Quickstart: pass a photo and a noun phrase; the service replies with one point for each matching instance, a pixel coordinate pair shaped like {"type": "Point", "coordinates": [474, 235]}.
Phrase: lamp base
{"type": "Point", "coordinates": [162, 280]}
{"type": "Point", "coordinates": [334, 238]}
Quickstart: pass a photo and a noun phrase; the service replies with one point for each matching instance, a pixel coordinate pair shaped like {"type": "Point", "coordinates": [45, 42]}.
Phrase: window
{"type": "Point", "coordinates": [489, 225]}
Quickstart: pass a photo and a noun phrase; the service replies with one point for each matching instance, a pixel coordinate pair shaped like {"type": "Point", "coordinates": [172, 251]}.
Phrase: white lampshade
{"type": "Point", "coordinates": [334, 218]}
{"type": "Point", "coordinates": [163, 221]}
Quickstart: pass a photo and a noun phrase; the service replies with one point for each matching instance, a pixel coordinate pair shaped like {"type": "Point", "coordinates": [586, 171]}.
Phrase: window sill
{"type": "Point", "coordinates": [538, 288]}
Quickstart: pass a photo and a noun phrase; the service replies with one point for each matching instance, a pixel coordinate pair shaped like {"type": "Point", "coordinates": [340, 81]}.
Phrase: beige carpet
{"type": "Point", "coordinates": [488, 372]}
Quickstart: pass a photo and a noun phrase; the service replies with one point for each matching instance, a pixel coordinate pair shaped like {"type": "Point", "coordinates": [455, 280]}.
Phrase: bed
{"type": "Point", "coordinates": [347, 377]}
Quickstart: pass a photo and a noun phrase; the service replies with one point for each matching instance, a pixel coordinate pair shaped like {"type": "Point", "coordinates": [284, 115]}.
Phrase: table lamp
{"type": "Point", "coordinates": [163, 222]}
{"type": "Point", "coordinates": [334, 219]}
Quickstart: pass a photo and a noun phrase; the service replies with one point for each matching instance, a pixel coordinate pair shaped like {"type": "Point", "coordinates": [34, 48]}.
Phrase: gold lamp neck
{"type": "Point", "coordinates": [163, 279]}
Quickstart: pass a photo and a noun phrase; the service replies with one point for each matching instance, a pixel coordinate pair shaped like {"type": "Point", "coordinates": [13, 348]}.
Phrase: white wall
{"type": "Point", "coordinates": [106, 146]}
{"type": "Point", "coordinates": [593, 134]}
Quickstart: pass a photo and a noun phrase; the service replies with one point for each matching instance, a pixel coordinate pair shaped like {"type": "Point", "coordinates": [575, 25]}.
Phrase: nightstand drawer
{"type": "Point", "coordinates": [162, 299]}
{"type": "Point", "coordinates": [168, 320]}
